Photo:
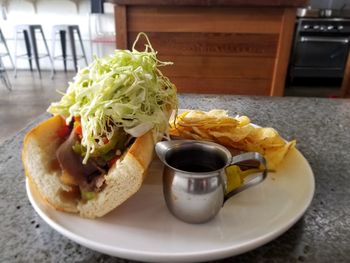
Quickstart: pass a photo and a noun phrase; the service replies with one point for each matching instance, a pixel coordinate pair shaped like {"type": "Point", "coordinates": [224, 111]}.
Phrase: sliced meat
{"type": "Point", "coordinates": [71, 162]}
{"type": "Point", "coordinates": [95, 184]}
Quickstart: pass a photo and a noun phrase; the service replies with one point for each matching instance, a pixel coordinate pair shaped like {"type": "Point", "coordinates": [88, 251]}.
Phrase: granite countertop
{"type": "Point", "coordinates": [322, 128]}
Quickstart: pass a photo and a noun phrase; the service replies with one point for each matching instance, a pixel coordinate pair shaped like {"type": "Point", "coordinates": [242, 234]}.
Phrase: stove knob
{"type": "Point", "coordinates": [340, 27]}
{"type": "Point", "coordinates": [330, 27]}
{"type": "Point", "coordinates": [316, 27]}
{"type": "Point", "coordinates": [322, 28]}
{"type": "Point", "coordinates": [306, 26]}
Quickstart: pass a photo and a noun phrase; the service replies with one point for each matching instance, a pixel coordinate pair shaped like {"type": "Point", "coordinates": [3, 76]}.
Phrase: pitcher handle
{"type": "Point", "coordinates": [254, 156]}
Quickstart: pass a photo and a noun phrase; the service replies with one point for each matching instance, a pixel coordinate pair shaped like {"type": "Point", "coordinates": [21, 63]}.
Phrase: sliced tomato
{"type": "Point", "coordinates": [77, 118]}
{"type": "Point", "coordinates": [63, 131]}
{"type": "Point", "coordinates": [105, 140]}
{"type": "Point", "coordinates": [78, 130]}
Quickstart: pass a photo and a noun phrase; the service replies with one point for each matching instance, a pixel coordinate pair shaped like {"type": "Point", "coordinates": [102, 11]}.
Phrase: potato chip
{"type": "Point", "coordinates": [274, 156]}
{"type": "Point", "coordinates": [213, 118]}
{"type": "Point", "coordinates": [217, 113]}
{"type": "Point", "coordinates": [265, 136]}
{"type": "Point", "coordinates": [202, 133]}
{"type": "Point", "coordinates": [243, 120]}
{"type": "Point", "coordinates": [237, 133]}
{"type": "Point", "coordinates": [191, 135]}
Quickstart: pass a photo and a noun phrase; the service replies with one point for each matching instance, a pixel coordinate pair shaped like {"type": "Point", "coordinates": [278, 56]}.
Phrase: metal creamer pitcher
{"type": "Point", "coordinates": [194, 177]}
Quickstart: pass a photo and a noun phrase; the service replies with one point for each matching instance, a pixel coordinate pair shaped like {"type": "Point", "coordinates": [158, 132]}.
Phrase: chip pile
{"type": "Point", "coordinates": [237, 133]}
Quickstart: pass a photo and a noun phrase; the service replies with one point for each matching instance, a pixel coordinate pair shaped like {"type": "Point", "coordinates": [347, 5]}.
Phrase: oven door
{"type": "Point", "coordinates": [316, 56]}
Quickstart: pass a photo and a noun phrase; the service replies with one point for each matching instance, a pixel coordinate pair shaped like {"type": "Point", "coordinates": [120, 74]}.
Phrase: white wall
{"type": "Point", "coordinates": [49, 13]}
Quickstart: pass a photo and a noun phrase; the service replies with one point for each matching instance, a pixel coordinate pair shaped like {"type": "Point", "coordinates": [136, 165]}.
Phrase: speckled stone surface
{"type": "Point", "coordinates": [322, 128]}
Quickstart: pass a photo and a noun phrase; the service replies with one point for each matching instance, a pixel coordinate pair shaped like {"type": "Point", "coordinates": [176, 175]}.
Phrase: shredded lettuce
{"type": "Point", "coordinates": [125, 89]}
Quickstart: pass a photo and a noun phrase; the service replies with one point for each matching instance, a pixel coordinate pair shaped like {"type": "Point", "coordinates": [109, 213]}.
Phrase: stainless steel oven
{"type": "Point", "coordinates": [321, 48]}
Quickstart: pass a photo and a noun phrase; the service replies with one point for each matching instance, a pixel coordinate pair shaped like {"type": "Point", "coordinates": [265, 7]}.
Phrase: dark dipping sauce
{"type": "Point", "coordinates": [195, 159]}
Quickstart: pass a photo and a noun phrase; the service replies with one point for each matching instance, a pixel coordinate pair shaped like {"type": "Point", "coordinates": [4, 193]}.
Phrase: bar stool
{"type": "Point", "coordinates": [62, 30]}
{"type": "Point", "coordinates": [3, 76]}
{"type": "Point", "coordinates": [29, 32]}
{"type": "Point", "coordinates": [7, 52]}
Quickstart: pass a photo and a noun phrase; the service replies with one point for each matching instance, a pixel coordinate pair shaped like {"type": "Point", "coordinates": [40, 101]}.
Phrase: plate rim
{"type": "Point", "coordinates": [212, 254]}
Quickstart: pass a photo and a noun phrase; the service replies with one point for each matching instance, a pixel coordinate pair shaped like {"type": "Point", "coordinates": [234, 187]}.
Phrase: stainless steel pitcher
{"type": "Point", "coordinates": [194, 177]}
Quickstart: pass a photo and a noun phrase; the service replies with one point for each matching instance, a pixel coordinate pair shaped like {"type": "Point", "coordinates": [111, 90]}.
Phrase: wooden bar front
{"type": "Point", "coordinates": [220, 47]}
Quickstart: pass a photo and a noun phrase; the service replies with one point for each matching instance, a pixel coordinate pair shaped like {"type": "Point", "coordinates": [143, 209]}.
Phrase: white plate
{"type": "Point", "coordinates": [143, 229]}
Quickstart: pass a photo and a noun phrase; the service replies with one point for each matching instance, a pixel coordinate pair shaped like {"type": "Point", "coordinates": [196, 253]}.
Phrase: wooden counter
{"type": "Point", "coordinates": [233, 47]}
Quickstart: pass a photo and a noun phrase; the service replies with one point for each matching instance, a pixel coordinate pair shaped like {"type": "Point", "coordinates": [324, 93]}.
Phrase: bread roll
{"type": "Point", "coordinates": [123, 179]}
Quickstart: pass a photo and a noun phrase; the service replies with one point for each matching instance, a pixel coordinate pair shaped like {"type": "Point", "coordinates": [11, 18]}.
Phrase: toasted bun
{"type": "Point", "coordinates": [122, 181]}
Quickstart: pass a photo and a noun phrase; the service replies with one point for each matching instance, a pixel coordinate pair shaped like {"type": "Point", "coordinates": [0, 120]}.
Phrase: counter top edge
{"type": "Point", "coordinates": [240, 3]}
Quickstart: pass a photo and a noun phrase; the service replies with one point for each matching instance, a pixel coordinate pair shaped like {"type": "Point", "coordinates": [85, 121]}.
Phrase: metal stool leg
{"type": "Point", "coordinates": [7, 49]}
{"type": "Point", "coordinates": [28, 48]}
{"type": "Point", "coordinates": [63, 40]}
{"type": "Point", "coordinates": [4, 77]}
{"type": "Point", "coordinates": [6, 81]}
{"type": "Point", "coordinates": [32, 39]}
{"type": "Point", "coordinates": [16, 38]}
{"type": "Point", "coordinates": [82, 46]}
{"type": "Point", "coordinates": [48, 53]}
{"type": "Point", "coordinates": [72, 44]}
{"type": "Point", "coordinates": [53, 44]}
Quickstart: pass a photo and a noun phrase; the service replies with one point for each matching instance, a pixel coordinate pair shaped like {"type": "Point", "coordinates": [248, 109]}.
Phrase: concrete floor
{"type": "Point", "coordinates": [30, 97]}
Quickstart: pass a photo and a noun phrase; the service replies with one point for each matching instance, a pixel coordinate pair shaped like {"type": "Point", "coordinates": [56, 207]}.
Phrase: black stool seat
{"type": "Point", "coordinates": [29, 32]}
{"type": "Point", "coordinates": [71, 30]}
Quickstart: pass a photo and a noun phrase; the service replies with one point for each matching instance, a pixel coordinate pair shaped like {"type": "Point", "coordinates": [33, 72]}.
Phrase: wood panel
{"type": "Point", "coordinates": [200, 19]}
{"type": "Point", "coordinates": [121, 26]}
{"type": "Point", "coordinates": [222, 86]}
{"type": "Point", "coordinates": [283, 52]}
{"type": "Point", "coordinates": [217, 49]}
{"type": "Point", "coordinates": [218, 67]}
{"type": "Point", "coordinates": [210, 44]}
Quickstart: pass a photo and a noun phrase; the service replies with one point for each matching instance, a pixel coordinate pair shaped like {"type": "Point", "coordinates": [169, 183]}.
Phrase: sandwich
{"type": "Point", "coordinates": [92, 154]}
